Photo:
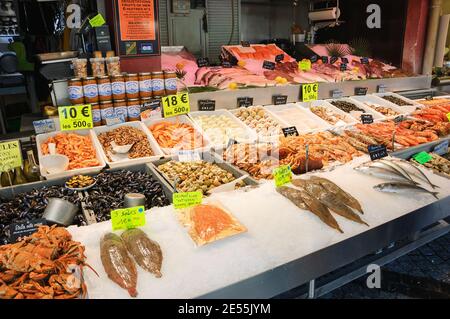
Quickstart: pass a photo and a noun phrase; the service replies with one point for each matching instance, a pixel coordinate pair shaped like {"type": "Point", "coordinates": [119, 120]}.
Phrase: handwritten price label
{"type": "Point", "coordinates": [10, 155]}
{"type": "Point", "coordinates": [174, 105]}
{"type": "Point", "coordinates": [282, 175]}
{"type": "Point", "coordinates": [188, 199]}
{"type": "Point", "coordinates": [310, 92]}
{"type": "Point", "coordinates": [77, 117]}
{"type": "Point", "coordinates": [304, 65]}
{"type": "Point", "coordinates": [128, 218]}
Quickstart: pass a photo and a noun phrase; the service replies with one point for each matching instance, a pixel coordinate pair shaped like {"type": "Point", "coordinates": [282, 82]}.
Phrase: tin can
{"type": "Point", "coordinates": [145, 85]}
{"type": "Point", "coordinates": [121, 110]}
{"type": "Point", "coordinates": [132, 86]}
{"type": "Point", "coordinates": [118, 87]}
{"type": "Point", "coordinates": [90, 90]}
{"type": "Point", "coordinates": [158, 83]}
{"type": "Point", "coordinates": [96, 114]}
{"type": "Point", "coordinates": [75, 90]}
{"type": "Point", "coordinates": [134, 109]}
{"type": "Point", "coordinates": [107, 110]}
{"type": "Point", "coordinates": [170, 82]}
{"type": "Point", "coordinates": [104, 88]}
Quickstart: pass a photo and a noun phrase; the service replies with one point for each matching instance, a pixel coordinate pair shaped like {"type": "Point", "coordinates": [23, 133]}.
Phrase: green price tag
{"type": "Point", "coordinates": [282, 175]}
{"type": "Point", "coordinates": [128, 218]}
{"type": "Point", "coordinates": [423, 157]}
{"type": "Point", "coordinates": [174, 105]}
{"type": "Point", "coordinates": [10, 155]}
{"type": "Point", "coordinates": [304, 65]}
{"type": "Point", "coordinates": [310, 92]}
{"type": "Point", "coordinates": [188, 199]}
{"type": "Point", "coordinates": [97, 21]}
{"type": "Point", "coordinates": [77, 117]}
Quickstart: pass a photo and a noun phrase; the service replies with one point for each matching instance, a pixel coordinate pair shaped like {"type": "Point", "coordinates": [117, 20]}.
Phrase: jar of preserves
{"type": "Point", "coordinates": [118, 87]}
{"type": "Point", "coordinates": [132, 86]}
{"type": "Point", "coordinates": [134, 109]}
{"type": "Point", "coordinates": [170, 82]}
{"type": "Point", "coordinates": [145, 85]}
{"type": "Point", "coordinates": [96, 114]}
{"type": "Point", "coordinates": [121, 110]}
{"type": "Point", "coordinates": [75, 89]}
{"type": "Point", "coordinates": [104, 88]}
{"type": "Point", "coordinates": [158, 83]}
{"type": "Point", "coordinates": [106, 110]}
{"type": "Point", "coordinates": [90, 90]}
{"type": "Point", "coordinates": [98, 66]}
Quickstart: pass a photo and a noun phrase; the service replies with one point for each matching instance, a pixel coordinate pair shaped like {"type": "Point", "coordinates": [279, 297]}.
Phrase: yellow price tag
{"type": "Point", "coordinates": [174, 105]}
{"type": "Point", "coordinates": [304, 65]}
{"type": "Point", "coordinates": [128, 218]}
{"type": "Point", "coordinates": [97, 21]}
{"type": "Point", "coordinates": [282, 175]}
{"type": "Point", "coordinates": [76, 117]}
{"type": "Point", "coordinates": [310, 92]}
{"type": "Point", "coordinates": [10, 155]}
{"type": "Point", "coordinates": [448, 116]}
{"type": "Point", "coordinates": [188, 199]}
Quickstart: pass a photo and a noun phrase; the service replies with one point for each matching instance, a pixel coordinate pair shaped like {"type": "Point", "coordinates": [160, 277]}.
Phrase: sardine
{"type": "Point", "coordinates": [330, 200]}
{"type": "Point", "coordinates": [414, 168]}
{"type": "Point", "coordinates": [118, 265]}
{"type": "Point", "coordinates": [341, 195]}
{"type": "Point", "coordinates": [396, 167]}
{"type": "Point", "coordinates": [145, 251]}
{"type": "Point", "coordinates": [403, 188]}
{"type": "Point", "coordinates": [311, 204]}
{"type": "Point", "coordinates": [383, 174]}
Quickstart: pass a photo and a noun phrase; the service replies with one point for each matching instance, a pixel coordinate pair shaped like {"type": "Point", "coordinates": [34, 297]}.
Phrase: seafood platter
{"type": "Point", "coordinates": [243, 225]}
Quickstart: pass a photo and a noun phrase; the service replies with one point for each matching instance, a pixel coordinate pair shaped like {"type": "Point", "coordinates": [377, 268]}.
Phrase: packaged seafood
{"type": "Point", "coordinates": [209, 222]}
{"type": "Point", "coordinates": [46, 265]}
{"type": "Point", "coordinates": [144, 147]}
{"type": "Point", "coordinates": [177, 133]}
{"type": "Point", "coordinates": [355, 108]}
{"type": "Point", "coordinates": [296, 116]}
{"type": "Point", "coordinates": [221, 126]}
{"type": "Point", "coordinates": [329, 113]}
{"type": "Point", "coordinates": [267, 126]}
{"type": "Point", "coordinates": [118, 265]}
{"type": "Point", "coordinates": [84, 155]}
{"type": "Point", "coordinates": [144, 251]}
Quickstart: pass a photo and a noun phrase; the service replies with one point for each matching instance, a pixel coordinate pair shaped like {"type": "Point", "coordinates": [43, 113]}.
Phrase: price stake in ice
{"type": "Point", "coordinates": [128, 218]}
{"type": "Point", "coordinates": [310, 92]}
{"type": "Point", "coordinates": [174, 105]}
{"type": "Point", "coordinates": [282, 175]}
{"type": "Point", "coordinates": [77, 117]}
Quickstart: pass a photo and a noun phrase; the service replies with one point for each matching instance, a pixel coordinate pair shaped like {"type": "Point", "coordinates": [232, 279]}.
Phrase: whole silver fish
{"type": "Point", "coordinates": [396, 167]}
{"type": "Point", "coordinates": [414, 169]}
{"type": "Point", "coordinates": [403, 188]}
{"type": "Point", "coordinates": [383, 174]}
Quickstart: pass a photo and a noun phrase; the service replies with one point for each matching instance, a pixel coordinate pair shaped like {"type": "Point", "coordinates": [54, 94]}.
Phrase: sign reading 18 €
{"type": "Point", "coordinates": [76, 117]}
{"type": "Point", "coordinates": [310, 92]}
{"type": "Point", "coordinates": [174, 105]}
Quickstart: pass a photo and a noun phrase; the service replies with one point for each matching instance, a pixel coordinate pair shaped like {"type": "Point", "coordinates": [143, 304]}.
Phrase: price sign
{"type": "Point", "coordinates": [269, 65]}
{"type": "Point", "coordinates": [441, 148]}
{"type": "Point", "coordinates": [188, 199]}
{"type": "Point", "coordinates": [245, 44]}
{"type": "Point", "coordinates": [400, 119]}
{"type": "Point", "coordinates": [343, 67]}
{"type": "Point", "coordinates": [10, 155]}
{"type": "Point", "coordinates": [361, 91]}
{"type": "Point", "coordinates": [381, 88]}
{"type": "Point", "coordinates": [188, 156]}
{"type": "Point", "coordinates": [325, 59]}
{"type": "Point", "coordinates": [314, 58]}
{"type": "Point", "coordinates": [18, 230]}
{"type": "Point", "coordinates": [206, 105]}
{"type": "Point", "coordinates": [304, 65]}
{"type": "Point", "coordinates": [226, 64]}
{"type": "Point", "coordinates": [366, 118]}
{"type": "Point", "coordinates": [97, 21]}
{"type": "Point", "coordinates": [333, 59]}
{"type": "Point", "coordinates": [448, 116]}
{"type": "Point", "coordinates": [44, 126]}
{"type": "Point", "coordinates": [244, 101]}
{"type": "Point", "coordinates": [422, 157]}
{"type": "Point", "coordinates": [76, 117]}
{"type": "Point", "coordinates": [128, 218]}
{"type": "Point", "coordinates": [365, 60]}
{"type": "Point", "coordinates": [279, 99]}
{"type": "Point", "coordinates": [201, 62]}
{"type": "Point", "coordinates": [174, 105]}
{"type": "Point", "coordinates": [337, 94]}
{"type": "Point", "coordinates": [279, 57]}
{"type": "Point", "coordinates": [290, 131]}
{"type": "Point", "coordinates": [310, 92]}
{"type": "Point", "coordinates": [282, 175]}
{"type": "Point", "coordinates": [377, 152]}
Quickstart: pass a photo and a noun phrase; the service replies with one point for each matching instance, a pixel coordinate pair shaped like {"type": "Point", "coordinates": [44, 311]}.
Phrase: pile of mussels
{"type": "Point", "coordinates": [108, 194]}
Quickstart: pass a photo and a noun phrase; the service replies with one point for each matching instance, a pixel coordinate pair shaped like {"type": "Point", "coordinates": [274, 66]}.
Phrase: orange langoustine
{"type": "Point", "coordinates": [177, 135]}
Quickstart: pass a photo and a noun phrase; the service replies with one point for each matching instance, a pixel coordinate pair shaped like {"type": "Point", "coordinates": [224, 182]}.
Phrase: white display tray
{"type": "Point", "coordinates": [368, 110]}
{"type": "Point", "coordinates": [181, 119]}
{"type": "Point", "coordinates": [41, 138]}
{"type": "Point", "coordinates": [412, 102]}
{"type": "Point", "coordinates": [307, 105]}
{"type": "Point", "coordinates": [158, 153]}
{"type": "Point", "coordinates": [276, 109]}
{"type": "Point", "coordinates": [250, 134]}
{"type": "Point", "coordinates": [374, 99]}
